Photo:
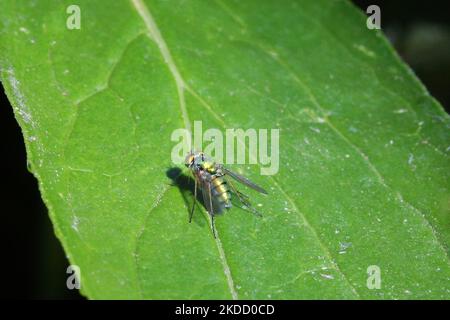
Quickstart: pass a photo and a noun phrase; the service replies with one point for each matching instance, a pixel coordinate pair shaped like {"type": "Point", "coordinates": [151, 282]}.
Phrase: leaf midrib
{"type": "Point", "coordinates": [155, 35]}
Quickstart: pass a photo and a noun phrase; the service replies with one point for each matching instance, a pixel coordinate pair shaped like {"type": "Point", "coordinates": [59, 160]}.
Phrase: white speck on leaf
{"type": "Point", "coordinates": [22, 108]}
{"type": "Point", "coordinates": [343, 246]}
{"type": "Point", "coordinates": [24, 30]}
{"type": "Point", "coordinates": [364, 50]}
{"type": "Point", "coordinates": [75, 223]}
{"type": "Point", "coordinates": [411, 161]}
{"type": "Point", "coordinates": [390, 143]}
{"type": "Point", "coordinates": [317, 130]}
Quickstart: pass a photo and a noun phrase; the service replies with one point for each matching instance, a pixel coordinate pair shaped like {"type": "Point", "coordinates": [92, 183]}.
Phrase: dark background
{"type": "Point", "coordinates": [33, 262]}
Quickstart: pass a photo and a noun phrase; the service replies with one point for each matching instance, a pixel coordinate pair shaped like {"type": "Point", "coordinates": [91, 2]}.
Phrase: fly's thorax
{"type": "Point", "coordinates": [209, 166]}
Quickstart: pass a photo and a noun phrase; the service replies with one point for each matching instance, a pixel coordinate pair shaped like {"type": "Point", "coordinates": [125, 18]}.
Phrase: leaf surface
{"type": "Point", "coordinates": [364, 149]}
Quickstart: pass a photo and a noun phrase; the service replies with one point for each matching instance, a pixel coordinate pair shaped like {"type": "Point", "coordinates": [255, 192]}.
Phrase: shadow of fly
{"type": "Point", "coordinates": [211, 179]}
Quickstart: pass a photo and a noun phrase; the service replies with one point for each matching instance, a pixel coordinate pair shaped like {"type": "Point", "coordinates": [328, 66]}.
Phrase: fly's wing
{"type": "Point", "coordinates": [244, 180]}
{"type": "Point", "coordinates": [206, 191]}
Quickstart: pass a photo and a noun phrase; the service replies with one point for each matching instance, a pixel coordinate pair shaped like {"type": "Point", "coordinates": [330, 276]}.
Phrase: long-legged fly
{"type": "Point", "coordinates": [217, 190]}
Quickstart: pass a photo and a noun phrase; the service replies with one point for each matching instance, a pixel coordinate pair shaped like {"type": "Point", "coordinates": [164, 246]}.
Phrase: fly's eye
{"type": "Point", "coordinates": [189, 160]}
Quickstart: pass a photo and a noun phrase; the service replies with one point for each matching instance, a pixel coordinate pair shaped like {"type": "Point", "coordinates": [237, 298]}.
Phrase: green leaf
{"type": "Point", "coordinates": [364, 149]}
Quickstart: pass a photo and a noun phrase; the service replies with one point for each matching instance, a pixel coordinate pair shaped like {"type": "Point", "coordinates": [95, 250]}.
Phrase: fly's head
{"type": "Point", "coordinates": [189, 160]}
{"type": "Point", "coordinates": [194, 161]}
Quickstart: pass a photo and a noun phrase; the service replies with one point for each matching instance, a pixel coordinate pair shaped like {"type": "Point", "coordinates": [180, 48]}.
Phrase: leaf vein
{"type": "Point", "coordinates": [139, 234]}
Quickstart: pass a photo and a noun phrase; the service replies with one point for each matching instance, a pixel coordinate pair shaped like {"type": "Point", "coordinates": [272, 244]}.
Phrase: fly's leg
{"type": "Point", "coordinates": [212, 212]}
{"type": "Point", "coordinates": [195, 200]}
{"type": "Point", "coordinates": [243, 199]}
{"type": "Point", "coordinates": [213, 226]}
{"type": "Point", "coordinates": [243, 195]}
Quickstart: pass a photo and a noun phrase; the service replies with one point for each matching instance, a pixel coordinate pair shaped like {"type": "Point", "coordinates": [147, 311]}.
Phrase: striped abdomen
{"type": "Point", "coordinates": [220, 192]}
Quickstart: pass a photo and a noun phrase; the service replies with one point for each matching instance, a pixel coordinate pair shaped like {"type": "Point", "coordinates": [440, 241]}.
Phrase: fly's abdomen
{"type": "Point", "coordinates": [221, 192]}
